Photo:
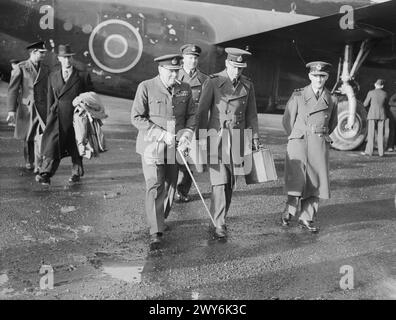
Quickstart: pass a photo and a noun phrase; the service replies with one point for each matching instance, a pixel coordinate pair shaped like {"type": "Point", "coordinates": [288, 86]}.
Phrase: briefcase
{"type": "Point", "coordinates": [260, 167]}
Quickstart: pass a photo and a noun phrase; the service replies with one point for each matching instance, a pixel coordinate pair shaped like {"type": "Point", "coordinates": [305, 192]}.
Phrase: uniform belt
{"type": "Point", "coordinates": [315, 129]}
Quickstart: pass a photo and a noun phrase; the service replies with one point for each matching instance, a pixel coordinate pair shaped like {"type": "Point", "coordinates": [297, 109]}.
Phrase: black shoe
{"type": "Point", "coordinates": [221, 232]}
{"type": "Point", "coordinates": [285, 221]}
{"type": "Point", "coordinates": [181, 198]}
{"type": "Point", "coordinates": [155, 240]}
{"type": "Point", "coordinates": [43, 179]}
{"type": "Point", "coordinates": [305, 224]}
{"type": "Point", "coordinates": [74, 178]}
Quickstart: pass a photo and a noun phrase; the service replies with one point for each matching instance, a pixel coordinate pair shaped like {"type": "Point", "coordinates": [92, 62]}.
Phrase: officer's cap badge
{"type": "Point", "coordinates": [239, 59]}
{"type": "Point", "coordinates": [174, 61]}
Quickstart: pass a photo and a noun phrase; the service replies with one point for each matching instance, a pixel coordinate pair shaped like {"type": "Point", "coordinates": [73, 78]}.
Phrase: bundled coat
{"type": "Point", "coordinates": [27, 96]}
{"type": "Point", "coordinates": [87, 122]}
{"type": "Point", "coordinates": [59, 138]}
{"type": "Point", "coordinates": [308, 122]}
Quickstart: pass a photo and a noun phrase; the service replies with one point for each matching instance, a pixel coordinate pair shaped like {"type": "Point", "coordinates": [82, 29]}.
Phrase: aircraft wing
{"type": "Point", "coordinates": [325, 34]}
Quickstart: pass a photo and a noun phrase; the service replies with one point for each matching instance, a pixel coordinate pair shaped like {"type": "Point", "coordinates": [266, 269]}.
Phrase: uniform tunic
{"type": "Point", "coordinates": [195, 81]}
{"type": "Point", "coordinates": [154, 111]}
{"type": "Point", "coordinates": [308, 122]}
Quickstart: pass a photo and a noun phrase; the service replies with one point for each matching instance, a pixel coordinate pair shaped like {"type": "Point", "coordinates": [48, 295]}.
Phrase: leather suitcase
{"type": "Point", "coordinates": [260, 167]}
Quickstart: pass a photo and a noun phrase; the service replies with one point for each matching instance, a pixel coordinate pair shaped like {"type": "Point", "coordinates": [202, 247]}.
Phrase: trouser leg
{"type": "Point", "coordinates": [380, 139]}
{"type": "Point", "coordinates": [155, 195]}
{"type": "Point", "coordinates": [171, 172]}
{"type": "Point", "coordinates": [38, 159]}
{"type": "Point", "coordinates": [49, 166]}
{"type": "Point", "coordinates": [292, 205]}
{"type": "Point", "coordinates": [370, 137]}
{"type": "Point", "coordinates": [184, 181]}
{"type": "Point", "coordinates": [309, 208]}
{"type": "Point", "coordinates": [77, 166]}
{"type": "Point", "coordinates": [28, 152]}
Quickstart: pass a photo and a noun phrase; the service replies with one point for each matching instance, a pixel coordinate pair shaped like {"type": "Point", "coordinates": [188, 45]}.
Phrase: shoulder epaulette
{"type": "Point", "coordinates": [298, 91]}
{"type": "Point", "coordinates": [213, 76]}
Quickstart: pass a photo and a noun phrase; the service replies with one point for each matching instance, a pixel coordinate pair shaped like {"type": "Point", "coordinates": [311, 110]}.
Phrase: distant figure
{"type": "Point", "coordinates": [309, 119]}
{"type": "Point", "coordinates": [163, 111]}
{"type": "Point", "coordinates": [392, 123]}
{"type": "Point", "coordinates": [27, 101]}
{"type": "Point", "coordinates": [376, 100]}
{"type": "Point", "coordinates": [195, 78]}
{"type": "Point", "coordinates": [59, 140]}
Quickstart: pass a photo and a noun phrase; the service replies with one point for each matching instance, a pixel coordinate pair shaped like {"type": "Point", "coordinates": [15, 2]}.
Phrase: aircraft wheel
{"type": "Point", "coordinates": [344, 139]}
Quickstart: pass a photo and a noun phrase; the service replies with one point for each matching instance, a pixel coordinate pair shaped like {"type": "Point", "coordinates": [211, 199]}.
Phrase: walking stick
{"type": "Point", "coordinates": [195, 184]}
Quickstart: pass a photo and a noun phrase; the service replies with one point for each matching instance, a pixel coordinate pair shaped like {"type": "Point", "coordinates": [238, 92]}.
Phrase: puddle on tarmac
{"type": "Point", "coordinates": [125, 271]}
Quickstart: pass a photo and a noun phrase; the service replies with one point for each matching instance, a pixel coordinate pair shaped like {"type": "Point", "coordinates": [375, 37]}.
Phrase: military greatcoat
{"type": "Point", "coordinates": [231, 110]}
{"type": "Point", "coordinates": [27, 96]}
{"type": "Point", "coordinates": [308, 122]}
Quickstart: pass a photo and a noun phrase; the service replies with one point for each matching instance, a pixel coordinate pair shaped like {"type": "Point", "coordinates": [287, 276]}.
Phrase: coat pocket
{"type": "Point", "coordinates": [296, 134]}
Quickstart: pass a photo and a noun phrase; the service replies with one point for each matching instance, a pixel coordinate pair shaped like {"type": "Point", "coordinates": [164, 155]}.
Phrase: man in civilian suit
{"type": "Point", "coordinates": [59, 140]}
{"type": "Point", "coordinates": [376, 99]}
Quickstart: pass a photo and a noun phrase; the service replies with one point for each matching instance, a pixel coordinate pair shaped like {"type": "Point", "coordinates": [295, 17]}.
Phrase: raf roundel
{"type": "Point", "coordinates": [115, 46]}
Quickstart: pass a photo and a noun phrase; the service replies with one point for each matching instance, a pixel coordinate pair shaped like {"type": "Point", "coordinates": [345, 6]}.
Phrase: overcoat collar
{"type": "Point", "coordinates": [31, 69]}
{"type": "Point", "coordinates": [69, 83]}
{"type": "Point", "coordinates": [42, 73]}
{"type": "Point", "coordinates": [194, 80]}
{"type": "Point", "coordinates": [225, 84]}
{"type": "Point", "coordinates": [314, 105]}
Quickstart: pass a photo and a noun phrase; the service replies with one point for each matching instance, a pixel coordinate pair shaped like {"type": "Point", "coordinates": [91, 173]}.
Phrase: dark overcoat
{"type": "Point", "coordinates": [308, 123]}
{"type": "Point", "coordinates": [27, 96]}
{"type": "Point", "coordinates": [59, 139]}
{"type": "Point", "coordinates": [225, 112]}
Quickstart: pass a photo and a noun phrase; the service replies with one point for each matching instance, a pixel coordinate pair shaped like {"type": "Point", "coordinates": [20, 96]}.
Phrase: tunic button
{"type": "Point", "coordinates": [321, 135]}
{"type": "Point", "coordinates": [326, 115]}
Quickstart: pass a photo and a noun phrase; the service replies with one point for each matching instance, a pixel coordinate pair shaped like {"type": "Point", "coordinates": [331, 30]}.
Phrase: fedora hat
{"type": "Point", "coordinates": [64, 50]}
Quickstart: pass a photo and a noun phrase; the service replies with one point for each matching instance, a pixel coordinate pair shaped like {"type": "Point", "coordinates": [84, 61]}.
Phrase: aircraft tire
{"type": "Point", "coordinates": [344, 139]}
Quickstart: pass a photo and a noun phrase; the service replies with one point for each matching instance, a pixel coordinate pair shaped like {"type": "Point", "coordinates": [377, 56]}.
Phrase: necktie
{"type": "Point", "coordinates": [66, 74]}
{"type": "Point", "coordinates": [191, 73]}
{"type": "Point", "coordinates": [317, 95]}
{"type": "Point", "coordinates": [234, 82]}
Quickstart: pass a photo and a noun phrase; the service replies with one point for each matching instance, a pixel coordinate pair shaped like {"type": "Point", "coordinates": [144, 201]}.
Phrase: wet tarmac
{"type": "Point", "coordinates": [95, 238]}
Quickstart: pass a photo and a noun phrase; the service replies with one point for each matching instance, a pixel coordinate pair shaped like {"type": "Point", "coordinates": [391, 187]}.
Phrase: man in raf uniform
{"type": "Point", "coordinates": [377, 101]}
{"type": "Point", "coordinates": [27, 102]}
{"type": "Point", "coordinates": [310, 117]}
{"type": "Point", "coordinates": [163, 109]}
{"type": "Point", "coordinates": [195, 78]}
{"type": "Point", "coordinates": [230, 99]}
